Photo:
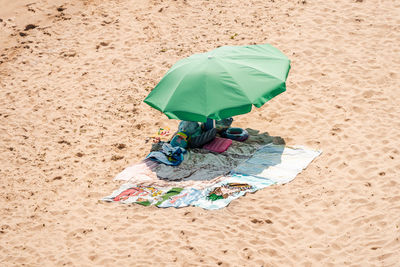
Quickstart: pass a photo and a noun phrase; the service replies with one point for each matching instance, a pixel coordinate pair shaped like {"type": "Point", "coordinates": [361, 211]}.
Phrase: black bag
{"type": "Point", "coordinates": [204, 138]}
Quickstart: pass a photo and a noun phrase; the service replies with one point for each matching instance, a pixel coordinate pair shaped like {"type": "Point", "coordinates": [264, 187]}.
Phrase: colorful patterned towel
{"type": "Point", "coordinates": [214, 197]}
{"type": "Point", "coordinates": [162, 197]}
{"type": "Point", "coordinates": [144, 195]}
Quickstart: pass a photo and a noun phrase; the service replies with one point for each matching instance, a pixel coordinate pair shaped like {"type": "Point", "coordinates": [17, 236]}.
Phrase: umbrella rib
{"type": "Point", "coordinates": [206, 91]}
{"type": "Point", "coordinates": [254, 68]}
{"type": "Point", "coordinates": [180, 81]}
{"type": "Point", "coordinates": [252, 102]}
{"type": "Point", "coordinates": [237, 84]}
{"type": "Point", "coordinates": [168, 72]}
{"type": "Point", "coordinates": [247, 56]}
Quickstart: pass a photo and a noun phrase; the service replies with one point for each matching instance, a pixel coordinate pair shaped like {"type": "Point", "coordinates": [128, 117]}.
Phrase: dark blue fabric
{"type": "Point", "coordinates": [169, 155]}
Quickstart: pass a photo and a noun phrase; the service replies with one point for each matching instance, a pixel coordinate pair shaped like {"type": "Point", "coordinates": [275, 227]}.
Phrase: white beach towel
{"type": "Point", "coordinates": [278, 163]}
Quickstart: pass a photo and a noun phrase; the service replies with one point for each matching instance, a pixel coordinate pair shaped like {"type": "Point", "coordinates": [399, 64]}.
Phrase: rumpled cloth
{"type": "Point", "coordinates": [168, 155]}
{"type": "Point", "coordinates": [199, 165]}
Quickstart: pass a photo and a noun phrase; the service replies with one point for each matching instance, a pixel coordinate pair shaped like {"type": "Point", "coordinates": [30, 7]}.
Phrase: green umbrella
{"type": "Point", "coordinates": [222, 83]}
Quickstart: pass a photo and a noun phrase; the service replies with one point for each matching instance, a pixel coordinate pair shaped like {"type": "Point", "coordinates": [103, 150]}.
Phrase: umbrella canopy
{"type": "Point", "coordinates": [222, 83]}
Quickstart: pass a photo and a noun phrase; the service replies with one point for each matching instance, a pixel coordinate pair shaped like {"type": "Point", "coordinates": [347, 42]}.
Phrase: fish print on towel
{"type": "Point", "coordinates": [185, 198]}
{"type": "Point", "coordinates": [144, 195]}
{"type": "Point", "coordinates": [222, 193]}
{"type": "Point", "coordinates": [226, 190]}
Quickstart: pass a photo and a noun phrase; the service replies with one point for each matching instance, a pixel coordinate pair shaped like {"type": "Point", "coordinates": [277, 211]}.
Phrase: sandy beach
{"type": "Point", "coordinates": [73, 76]}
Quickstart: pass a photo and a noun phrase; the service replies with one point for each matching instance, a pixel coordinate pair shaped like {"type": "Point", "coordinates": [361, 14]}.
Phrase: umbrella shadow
{"type": "Point", "coordinates": [268, 155]}
{"type": "Point", "coordinates": [255, 137]}
{"type": "Point", "coordinates": [241, 157]}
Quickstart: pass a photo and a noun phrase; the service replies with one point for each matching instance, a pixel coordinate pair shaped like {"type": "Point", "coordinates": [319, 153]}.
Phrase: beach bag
{"type": "Point", "coordinates": [191, 128]}
{"type": "Point", "coordinates": [204, 138]}
{"type": "Point", "coordinates": [208, 125]}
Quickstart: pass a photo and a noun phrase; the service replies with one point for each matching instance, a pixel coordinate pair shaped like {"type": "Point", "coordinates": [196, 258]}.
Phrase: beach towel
{"type": "Point", "coordinates": [142, 171]}
{"type": "Point", "coordinates": [278, 163]}
{"type": "Point", "coordinates": [270, 164]}
{"type": "Point", "coordinates": [210, 180]}
{"type": "Point", "coordinates": [213, 197]}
